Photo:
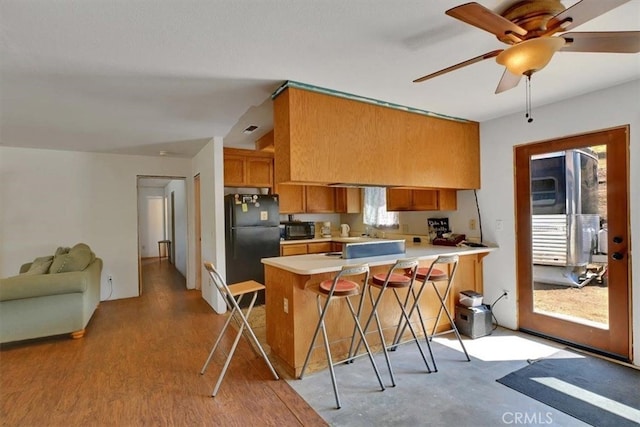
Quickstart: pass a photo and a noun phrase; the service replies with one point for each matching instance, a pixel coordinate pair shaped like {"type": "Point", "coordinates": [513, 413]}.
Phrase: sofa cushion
{"type": "Point", "coordinates": [61, 251]}
{"type": "Point", "coordinates": [77, 259]}
{"type": "Point", "coordinates": [40, 265]}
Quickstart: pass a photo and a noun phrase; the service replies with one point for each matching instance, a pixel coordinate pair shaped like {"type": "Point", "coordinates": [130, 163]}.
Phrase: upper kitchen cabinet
{"type": "Point", "coordinates": [306, 199]}
{"type": "Point", "coordinates": [318, 199]}
{"type": "Point", "coordinates": [404, 199]}
{"type": "Point", "coordinates": [247, 168]}
{"type": "Point", "coordinates": [348, 200]}
{"type": "Point", "coordinates": [291, 198]}
{"type": "Point", "coordinates": [326, 138]}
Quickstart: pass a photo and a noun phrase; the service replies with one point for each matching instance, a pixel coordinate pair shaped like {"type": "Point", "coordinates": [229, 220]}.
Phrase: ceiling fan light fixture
{"type": "Point", "coordinates": [530, 55]}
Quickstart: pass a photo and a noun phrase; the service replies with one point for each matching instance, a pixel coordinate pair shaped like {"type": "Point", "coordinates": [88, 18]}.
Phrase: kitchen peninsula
{"type": "Point", "coordinates": [291, 311]}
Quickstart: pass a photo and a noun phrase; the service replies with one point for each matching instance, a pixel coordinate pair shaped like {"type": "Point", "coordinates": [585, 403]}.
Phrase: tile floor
{"type": "Point", "coordinates": [461, 393]}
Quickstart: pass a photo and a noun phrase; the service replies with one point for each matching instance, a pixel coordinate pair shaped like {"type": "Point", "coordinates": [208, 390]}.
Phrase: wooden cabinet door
{"type": "Point", "coordinates": [336, 247]}
{"type": "Point", "coordinates": [234, 171]}
{"type": "Point", "coordinates": [320, 199]}
{"type": "Point", "coordinates": [398, 199]}
{"type": "Point", "coordinates": [348, 200]}
{"type": "Point", "coordinates": [447, 200]}
{"type": "Point", "coordinates": [291, 199]}
{"type": "Point", "coordinates": [424, 200]}
{"type": "Point", "coordinates": [259, 172]}
{"type": "Point", "coordinates": [318, 248]}
{"type": "Point", "coordinates": [293, 249]}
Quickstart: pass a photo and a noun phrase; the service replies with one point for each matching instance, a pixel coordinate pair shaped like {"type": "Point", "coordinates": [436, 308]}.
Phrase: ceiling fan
{"type": "Point", "coordinates": [531, 29]}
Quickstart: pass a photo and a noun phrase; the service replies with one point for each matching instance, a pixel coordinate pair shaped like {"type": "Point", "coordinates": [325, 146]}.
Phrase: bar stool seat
{"type": "Point", "coordinates": [232, 295]}
{"type": "Point", "coordinates": [331, 290]}
{"type": "Point", "coordinates": [343, 288]}
{"type": "Point", "coordinates": [435, 275]}
{"type": "Point", "coordinates": [395, 280]}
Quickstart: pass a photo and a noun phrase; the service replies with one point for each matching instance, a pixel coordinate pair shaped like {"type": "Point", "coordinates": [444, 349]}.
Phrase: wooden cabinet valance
{"type": "Point", "coordinates": [327, 139]}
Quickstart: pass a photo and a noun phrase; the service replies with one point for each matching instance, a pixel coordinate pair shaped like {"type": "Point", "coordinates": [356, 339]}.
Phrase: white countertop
{"type": "Point", "coordinates": [321, 263]}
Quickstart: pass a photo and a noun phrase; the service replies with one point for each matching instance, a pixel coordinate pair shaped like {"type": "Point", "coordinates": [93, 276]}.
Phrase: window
{"type": "Point", "coordinates": [375, 209]}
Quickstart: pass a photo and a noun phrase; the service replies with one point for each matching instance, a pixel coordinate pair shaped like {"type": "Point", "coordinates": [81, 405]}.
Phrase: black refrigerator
{"type": "Point", "coordinates": [252, 232]}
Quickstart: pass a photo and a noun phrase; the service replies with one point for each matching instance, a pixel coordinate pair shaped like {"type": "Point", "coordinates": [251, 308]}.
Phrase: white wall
{"type": "Point", "coordinates": [209, 163]}
{"type": "Point", "coordinates": [180, 245]}
{"type": "Point", "coordinates": [58, 198]}
{"type": "Point", "coordinates": [598, 110]}
{"type": "Point", "coordinates": [151, 220]}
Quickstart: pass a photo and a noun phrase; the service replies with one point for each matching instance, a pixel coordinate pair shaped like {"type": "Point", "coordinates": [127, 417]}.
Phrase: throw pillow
{"type": "Point", "coordinates": [40, 265]}
{"type": "Point", "coordinates": [77, 259]}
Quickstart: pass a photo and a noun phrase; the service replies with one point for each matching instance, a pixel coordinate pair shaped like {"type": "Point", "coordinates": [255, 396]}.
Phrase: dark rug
{"type": "Point", "coordinates": [596, 391]}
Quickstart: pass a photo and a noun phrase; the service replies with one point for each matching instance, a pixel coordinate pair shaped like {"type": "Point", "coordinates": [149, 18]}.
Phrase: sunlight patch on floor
{"type": "Point", "coordinates": [591, 398]}
{"type": "Point", "coordinates": [501, 347]}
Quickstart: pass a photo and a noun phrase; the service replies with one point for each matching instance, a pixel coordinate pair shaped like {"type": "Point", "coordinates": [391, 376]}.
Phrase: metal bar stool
{"type": "Point", "coordinates": [395, 281]}
{"type": "Point", "coordinates": [339, 288]}
{"type": "Point", "coordinates": [434, 276]}
{"type": "Point", "coordinates": [233, 294]}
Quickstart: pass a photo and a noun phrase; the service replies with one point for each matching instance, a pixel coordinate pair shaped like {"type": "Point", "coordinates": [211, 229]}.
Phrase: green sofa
{"type": "Point", "coordinates": [52, 295]}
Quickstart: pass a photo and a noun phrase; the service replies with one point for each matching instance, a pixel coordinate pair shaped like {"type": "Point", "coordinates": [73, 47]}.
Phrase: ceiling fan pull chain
{"type": "Point", "coordinates": [528, 100]}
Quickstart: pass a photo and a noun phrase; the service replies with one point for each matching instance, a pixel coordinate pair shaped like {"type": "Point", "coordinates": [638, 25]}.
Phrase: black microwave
{"type": "Point", "coordinates": [297, 230]}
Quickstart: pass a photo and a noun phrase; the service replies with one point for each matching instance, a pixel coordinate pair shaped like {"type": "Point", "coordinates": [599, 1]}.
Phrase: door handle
{"type": "Point", "coordinates": [617, 256]}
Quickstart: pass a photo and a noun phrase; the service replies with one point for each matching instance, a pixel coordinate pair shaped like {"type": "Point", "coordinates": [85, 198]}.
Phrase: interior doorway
{"type": "Point", "coordinates": [162, 224]}
{"type": "Point", "coordinates": [572, 213]}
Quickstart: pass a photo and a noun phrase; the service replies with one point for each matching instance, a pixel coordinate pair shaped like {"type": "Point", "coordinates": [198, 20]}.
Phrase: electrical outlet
{"type": "Point", "coordinates": [110, 278]}
{"type": "Point", "coordinates": [472, 224]}
{"type": "Point", "coordinates": [499, 225]}
{"type": "Point", "coordinates": [285, 305]}
{"type": "Point", "coordinates": [505, 293]}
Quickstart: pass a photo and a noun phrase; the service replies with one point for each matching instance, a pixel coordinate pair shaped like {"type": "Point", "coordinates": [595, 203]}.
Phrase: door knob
{"type": "Point", "coordinates": [617, 256]}
{"type": "Point", "coordinates": [617, 239]}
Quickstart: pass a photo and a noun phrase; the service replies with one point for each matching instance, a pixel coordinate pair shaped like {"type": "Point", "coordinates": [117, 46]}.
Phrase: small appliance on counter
{"type": "Point", "coordinates": [325, 231]}
{"type": "Point", "coordinates": [344, 230]}
{"type": "Point", "coordinates": [297, 230]}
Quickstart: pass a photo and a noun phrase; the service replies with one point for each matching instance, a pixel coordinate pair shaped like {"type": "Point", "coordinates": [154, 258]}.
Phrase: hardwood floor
{"type": "Point", "coordinates": [139, 363]}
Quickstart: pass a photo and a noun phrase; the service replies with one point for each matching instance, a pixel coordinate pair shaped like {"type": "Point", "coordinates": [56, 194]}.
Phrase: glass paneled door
{"type": "Point", "coordinates": [572, 240]}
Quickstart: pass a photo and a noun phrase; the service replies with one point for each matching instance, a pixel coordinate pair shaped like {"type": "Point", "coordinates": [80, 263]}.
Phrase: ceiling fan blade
{"type": "Point", "coordinates": [487, 55]}
{"type": "Point", "coordinates": [581, 12]}
{"type": "Point", "coordinates": [602, 41]}
{"type": "Point", "coordinates": [508, 81]}
{"type": "Point", "coordinates": [485, 19]}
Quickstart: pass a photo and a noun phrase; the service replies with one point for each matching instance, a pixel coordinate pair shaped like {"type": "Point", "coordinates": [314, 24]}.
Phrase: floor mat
{"type": "Point", "coordinates": [594, 390]}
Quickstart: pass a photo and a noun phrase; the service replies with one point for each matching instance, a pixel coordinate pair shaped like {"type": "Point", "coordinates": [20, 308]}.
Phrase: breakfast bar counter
{"type": "Point", "coordinates": [291, 311]}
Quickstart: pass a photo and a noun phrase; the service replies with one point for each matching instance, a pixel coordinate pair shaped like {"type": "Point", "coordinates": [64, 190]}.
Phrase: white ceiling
{"type": "Point", "coordinates": [144, 76]}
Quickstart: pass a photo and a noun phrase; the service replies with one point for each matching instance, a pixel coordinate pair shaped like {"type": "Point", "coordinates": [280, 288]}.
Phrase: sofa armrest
{"type": "Point", "coordinates": [29, 286]}
{"type": "Point", "coordinates": [25, 267]}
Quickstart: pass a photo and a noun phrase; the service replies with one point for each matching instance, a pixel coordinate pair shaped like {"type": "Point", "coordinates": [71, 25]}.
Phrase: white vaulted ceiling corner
{"type": "Point", "coordinates": [146, 76]}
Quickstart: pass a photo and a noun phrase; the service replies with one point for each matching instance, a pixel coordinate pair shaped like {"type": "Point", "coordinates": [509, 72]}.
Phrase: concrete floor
{"type": "Point", "coordinates": [461, 393]}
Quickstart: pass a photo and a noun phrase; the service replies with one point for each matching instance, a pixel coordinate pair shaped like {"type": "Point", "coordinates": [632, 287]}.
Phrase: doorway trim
{"type": "Point", "coordinates": [168, 227]}
{"type": "Point", "coordinates": [616, 341]}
